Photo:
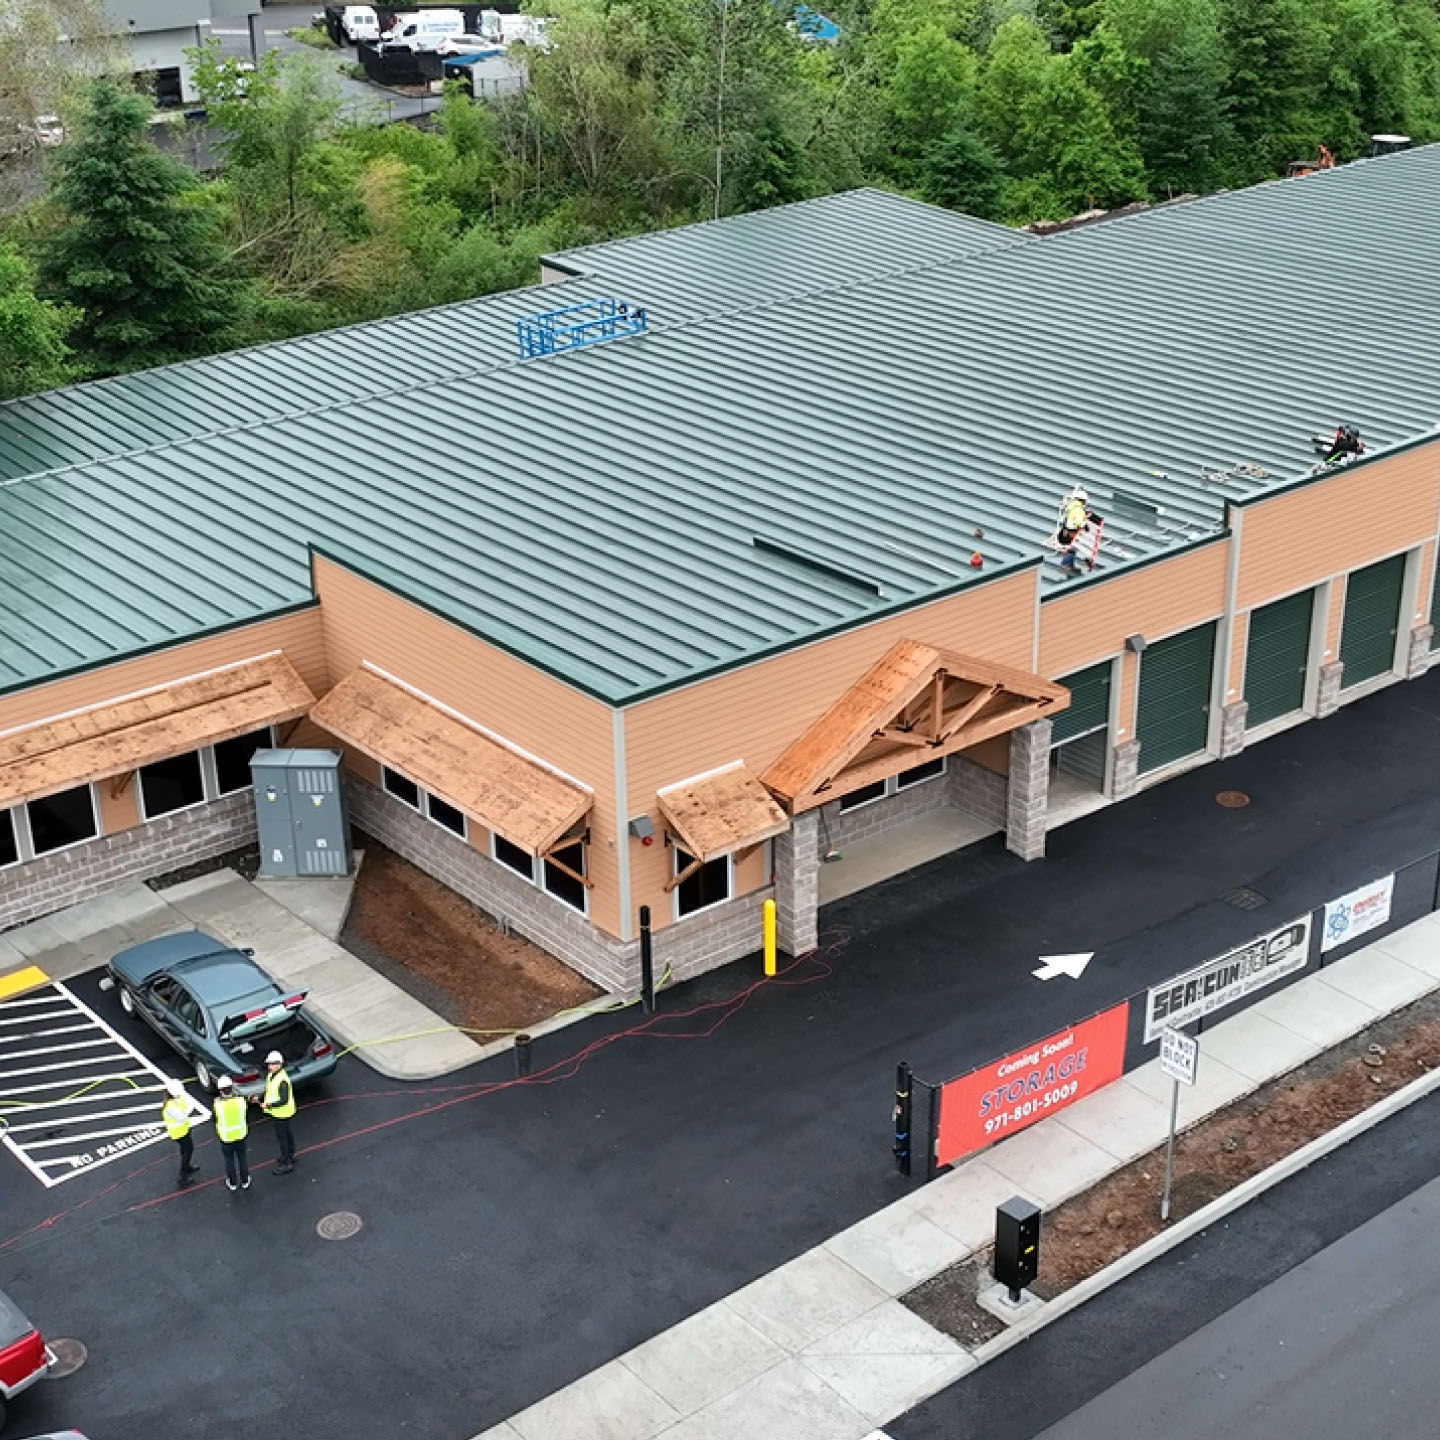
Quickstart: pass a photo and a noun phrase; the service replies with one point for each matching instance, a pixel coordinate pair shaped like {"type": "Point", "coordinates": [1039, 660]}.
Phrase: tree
{"type": "Point", "coordinates": [33, 352]}
{"type": "Point", "coordinates": [1160, 66]}
{"type": "Point", "coordinates": [930, 89]}
{"type": "Point", "coordinates": [962, 172]}
{"type": "Point", "coordinates": [136, 250]}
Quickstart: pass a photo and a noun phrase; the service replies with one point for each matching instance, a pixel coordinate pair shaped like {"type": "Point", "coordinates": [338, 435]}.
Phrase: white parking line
{"type": "Point", "coordinates": [93, 1083]}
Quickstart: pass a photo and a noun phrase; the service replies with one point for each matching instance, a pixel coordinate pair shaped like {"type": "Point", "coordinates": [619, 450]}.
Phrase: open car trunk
{"type": "Point", "coordinates": [293, 1038]}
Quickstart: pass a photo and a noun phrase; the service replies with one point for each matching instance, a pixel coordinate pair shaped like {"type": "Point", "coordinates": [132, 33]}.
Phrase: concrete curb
{"type": "Point", "coordinates": [1208, 1215]}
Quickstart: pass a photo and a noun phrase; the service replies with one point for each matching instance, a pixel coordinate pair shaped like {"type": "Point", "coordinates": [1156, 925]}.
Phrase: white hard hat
{"type": "Point", "coordinates": [175, 1088]}
{"type": "Point", "coordinates": [224, 1083]}
{"type": "Point", "coordinates": [1079, 493]}
{"type": "Point", "coordinates": [274, 1058]}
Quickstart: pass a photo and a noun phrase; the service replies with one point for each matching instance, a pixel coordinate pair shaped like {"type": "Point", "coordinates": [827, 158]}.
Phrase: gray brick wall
{"type": "Point", "coordinates": [1028, 797]}
{"type": "Point", "coordinates": [977, 790]}
{"type": "Point", "coordinates": [1232, 728]}
{"type": "Point", "coordinates": [1125, 770]}
{"type": "Point", "coordinates": [797, 885]}
{"type": "Point", "coordinates": [1417, 655]}
{"type": "Point", "coordinates": [1327, 698]}
{"type": "Point", "coordinates": [687, 948]}
{"type": "Point", "coordinates": [84, 871]}
{"type": "Point", "coordinates": [846, 827]}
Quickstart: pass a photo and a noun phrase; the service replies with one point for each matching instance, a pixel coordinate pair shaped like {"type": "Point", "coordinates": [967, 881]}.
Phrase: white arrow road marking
{"type": "Point", "coordinates": [1071, 965]}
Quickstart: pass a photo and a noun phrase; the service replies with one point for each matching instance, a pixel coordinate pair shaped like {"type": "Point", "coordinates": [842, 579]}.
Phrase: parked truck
{"type": "Point", "coordinates": [423, 30]}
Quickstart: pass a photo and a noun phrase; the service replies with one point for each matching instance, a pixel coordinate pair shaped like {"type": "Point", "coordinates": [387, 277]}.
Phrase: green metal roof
{"type": "Point", "coordinates": [677, 274]}
{"type": "Point", "coordinates": [597, 512]}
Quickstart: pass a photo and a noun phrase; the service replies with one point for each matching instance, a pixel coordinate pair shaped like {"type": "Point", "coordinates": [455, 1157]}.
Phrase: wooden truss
{"type": "Point", "coordinates": [917, 703]}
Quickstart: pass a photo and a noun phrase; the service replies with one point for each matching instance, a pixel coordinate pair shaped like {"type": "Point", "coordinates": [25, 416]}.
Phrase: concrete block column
{"type": "Point", "coordinates": [1125, 771]}
{"type": "Point", "coordinates": [1417, 655]}
{"type": "Point", "coordinates": [1232, 728]}
{"type": "Point", "coordinates": [797, 884]}
{"type": "Point", "coordinates": [1327, 697]}
{"type": "Point", "coordinates": [1028, 797]}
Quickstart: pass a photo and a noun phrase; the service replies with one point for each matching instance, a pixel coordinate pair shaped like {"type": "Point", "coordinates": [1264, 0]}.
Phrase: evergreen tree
{"type": "Point", "coordinates": [962, 172]}
{"type": "Point", "coordinates": [136, 250]}
{"type": "Point", "coordinates": [33, 352]}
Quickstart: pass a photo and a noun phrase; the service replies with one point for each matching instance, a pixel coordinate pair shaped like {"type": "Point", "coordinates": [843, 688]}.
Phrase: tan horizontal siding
{"type": "Point", "coordinates": [299, 635]}
{"type": "Point", "coordinates": [364, 622]}
{"type": "Point", "coordinates": [1090, 624]}
{"type": "Point", "coordinates": [1354, 517]}
{"type": "Point", "coordinates": [753, 713]}
{"type": "Point", "coordinates": [1235, 685]}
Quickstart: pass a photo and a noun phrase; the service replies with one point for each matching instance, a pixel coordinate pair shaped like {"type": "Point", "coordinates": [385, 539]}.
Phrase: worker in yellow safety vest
{"type": "Point", "coordinates": [231, 1128]}
{"type": "Point", "coordinates": [176, 1115]}
{"type": "Point", "coordinates": [279, 1105]}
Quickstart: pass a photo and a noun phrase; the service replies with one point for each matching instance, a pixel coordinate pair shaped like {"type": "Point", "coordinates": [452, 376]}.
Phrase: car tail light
{"type": "Point", "coordinates": [320, 1047]}
{"type": "Point", "coordinates": [22, 1359]}
{"type": "Point", "coordinates": [248, 1078]}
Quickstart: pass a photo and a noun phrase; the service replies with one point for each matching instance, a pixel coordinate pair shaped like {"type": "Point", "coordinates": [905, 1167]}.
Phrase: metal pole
{"type": "Point", "coordinates": [647, 964]}
{"type": "Point", "coordinates": [768, 910]}
{"type": "Point", "coordinates": [522, 1056]}
{"type": "Point", "coordinates": [932, 1130]}
{"type": "Point", "coordinates": [903, 1110]}
{"type": "Point", "coordinates": [1170, 1149]}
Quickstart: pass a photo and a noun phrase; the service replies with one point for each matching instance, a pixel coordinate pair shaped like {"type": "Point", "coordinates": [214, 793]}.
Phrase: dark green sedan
{"type": "Point", "coordinates": [219, 1010]}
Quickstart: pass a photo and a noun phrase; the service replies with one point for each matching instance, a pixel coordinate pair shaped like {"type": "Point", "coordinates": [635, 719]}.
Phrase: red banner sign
{"type": "Point", "coordinates": [1010, 1093]}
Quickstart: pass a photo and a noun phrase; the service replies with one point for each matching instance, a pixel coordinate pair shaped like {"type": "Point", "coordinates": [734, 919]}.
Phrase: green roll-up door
{"type": "Point", "coordinates": [1372, 619]}
{"type": "Point", "coordinates": [1173, 710]}
{"type": "Point", "coordinates": [1277, 655]}
{"type": "Point", "coordinates": [1089, 703]}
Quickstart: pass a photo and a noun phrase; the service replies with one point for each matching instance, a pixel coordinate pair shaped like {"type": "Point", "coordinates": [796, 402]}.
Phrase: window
{"type": "Point", "coordinates": [866, 795]}
{"type": "Point", "coordinates": [558, 883]}
{"type": "Point", "coordinates": [61, 820]}
{"type": "Point", "coordinates": [892, 785]}
{"type": "Point", "coordinates": [930, 770]}
{"type": "Point", "coordinates": [401, 788]}
{"type": "Point", "coordinates": [708, 886]}
{"type": "Point", "coordinates": [232, 760]}
{"type": "Point", "coordinates": [9, 843]}
{"type": "Point", "coordinates": [520, 861]}
{"type": "Point", "coordinates": [188, 1013]}
{"type": "Point", "coordinates": [173, 784]}
{"type": "Point", "coordinates": [446, 815]}
{"type": "Point", "coordinates": [166, 991]}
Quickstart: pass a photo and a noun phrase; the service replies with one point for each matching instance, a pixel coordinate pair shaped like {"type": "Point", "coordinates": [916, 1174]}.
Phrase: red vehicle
{"type": "Point", "coordinates": [24, 1355]}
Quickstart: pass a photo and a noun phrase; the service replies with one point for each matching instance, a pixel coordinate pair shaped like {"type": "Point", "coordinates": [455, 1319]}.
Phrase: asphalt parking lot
{"type": "Point", "coordinates": [515, 1237]}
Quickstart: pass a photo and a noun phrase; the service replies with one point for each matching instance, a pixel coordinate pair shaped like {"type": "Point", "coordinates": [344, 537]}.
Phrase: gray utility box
{"type": "Point", "coordinates": [300, 813]}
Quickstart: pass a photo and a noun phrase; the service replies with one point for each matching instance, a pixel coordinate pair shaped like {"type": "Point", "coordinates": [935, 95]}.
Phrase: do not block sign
{"type": "Point", "coordinates": [1027, 1085]}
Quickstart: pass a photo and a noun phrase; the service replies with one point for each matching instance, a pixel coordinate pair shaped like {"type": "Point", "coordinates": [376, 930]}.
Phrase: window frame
{"type": "Point", "coordinates": [211, 763]}
{"type": "Point", "coordinates": [417, 805]}
{"type": "Point", "coordinates": [27, 846]}
{"type": "Point", "coordinates": [895, 784]}
{"type": "Point", "coordinates": [10, 814]}
{"type": "Point", "coordinates": [676, 851]}
{"type": "Point", "coordinates": [145, 817]}
{"type": "Point", "coordinates": [496, 840]}
{"type": "Point", "coordinates": [427, 800]}
{"type": "Point", "coordinates": [581, 842]}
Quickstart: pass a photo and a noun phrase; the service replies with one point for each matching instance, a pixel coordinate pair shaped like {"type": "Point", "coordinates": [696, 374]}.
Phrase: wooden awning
{"type": "Point", "coordinates": [518, 798]}
{"type": "Point", "coordinates": [915, 704]}
{"type": "Point", "coordinates": [719, 813]}
{"type": "Point", "coordinates": [119, 736]}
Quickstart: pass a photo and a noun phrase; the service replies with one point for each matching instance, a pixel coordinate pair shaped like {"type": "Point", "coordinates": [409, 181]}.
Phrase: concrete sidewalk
{"type": "Point", "coordinates": [363, 1011]}
{"type": "Point", "coordinates": [821, 1348]}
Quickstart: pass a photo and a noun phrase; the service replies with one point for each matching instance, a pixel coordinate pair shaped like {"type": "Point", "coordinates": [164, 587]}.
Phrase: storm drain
{"type": "Point", "coordinates": [69, 1355]}
{"type": "Point", "coordinates": [1244, 898]}
{"type": "Point", "coordinates": [1232, 799]}
{"type": "Point", "coordinates": [340, 1225]}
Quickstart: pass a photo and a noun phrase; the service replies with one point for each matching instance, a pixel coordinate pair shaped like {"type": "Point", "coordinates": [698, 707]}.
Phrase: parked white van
{"type": "Point", "coordinates": [424, 29]}
{"type": "Point", "coordinates": [360, 22]}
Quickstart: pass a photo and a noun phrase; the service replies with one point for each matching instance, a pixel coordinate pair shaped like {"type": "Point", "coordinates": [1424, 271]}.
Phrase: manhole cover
{"type": "Point", "coordinates": [1232, 799]}
{"type": "Point", "coordinates": [1244, 898]}
{"type": "Point", "coordinates": [70, 1355]}
{"type": "Point", "coordinates": [339, 1226]}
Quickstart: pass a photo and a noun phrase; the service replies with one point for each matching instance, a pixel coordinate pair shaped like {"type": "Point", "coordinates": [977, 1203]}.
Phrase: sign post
{"type": "Point", "coordinates": [1179, 1059]}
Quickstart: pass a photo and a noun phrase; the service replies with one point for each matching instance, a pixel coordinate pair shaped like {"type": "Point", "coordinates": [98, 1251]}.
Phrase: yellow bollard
{"type": "Point", "coordinates": [769, 911]}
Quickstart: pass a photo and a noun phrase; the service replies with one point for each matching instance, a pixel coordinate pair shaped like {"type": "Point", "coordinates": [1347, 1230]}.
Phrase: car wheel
{"type": "Point", "coordinates": [202, 1078]}
{"type": "Point", "coordinates": [127, 1001]}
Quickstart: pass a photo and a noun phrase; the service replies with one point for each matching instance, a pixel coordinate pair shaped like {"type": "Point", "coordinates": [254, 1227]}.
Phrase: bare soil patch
{"type": "Point", "coordinates": [450, 955]}
{"type": "Point", "coordinates": [1096, 1228]}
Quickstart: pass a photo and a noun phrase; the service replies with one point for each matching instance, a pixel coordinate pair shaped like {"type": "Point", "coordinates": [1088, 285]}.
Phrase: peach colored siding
{"type": "Point", "coordinates": [298, 635]}
{"type": "Point", "coordinates": [1125, 703]}
{"type": "Point", "coordinates": [365, 622]}
{"type": "Point", "coordinates": [1090, 624]}
{"type": "Point", "coordinates": [1339, 524]}
{"type": "Point", "coordinates": [1424, 587]}
{"type": "Point", "coordinates": [753, 713]}
{"type": "Point", "coordinates": [117, 812]}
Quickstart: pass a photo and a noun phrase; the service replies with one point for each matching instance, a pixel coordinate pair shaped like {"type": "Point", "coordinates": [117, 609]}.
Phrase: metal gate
{"type": "Point", "coordinates": [1372, 621]}
{"type": "Point", "coordinates": [1277, 657]}
{"type": "Point", "coordinates": [1173, 712]}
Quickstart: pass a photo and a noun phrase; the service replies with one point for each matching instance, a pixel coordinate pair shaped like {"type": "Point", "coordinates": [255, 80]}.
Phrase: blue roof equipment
{"type": "Point", "coordinates": [588, 323]}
